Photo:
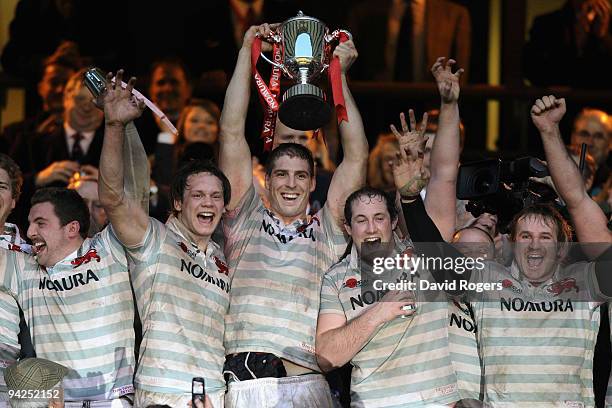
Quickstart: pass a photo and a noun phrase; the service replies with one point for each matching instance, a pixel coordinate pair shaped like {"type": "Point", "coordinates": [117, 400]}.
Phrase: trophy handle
{"type": "Point", "coordinates": [335, 35]}
{"type": "Point", "coordinates": [275, 38]}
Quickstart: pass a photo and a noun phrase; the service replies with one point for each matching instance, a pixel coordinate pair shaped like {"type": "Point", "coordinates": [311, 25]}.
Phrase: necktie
{"type": "Point", "coordinates": [77, 153]}
{"type": "Point", "coordinates": [403, 59]}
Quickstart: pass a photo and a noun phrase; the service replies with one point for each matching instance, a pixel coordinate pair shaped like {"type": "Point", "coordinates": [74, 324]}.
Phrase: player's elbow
{"type": "Point", "coordinates": [327, 359]}
{"type": "Point", "coordinates": [326, 362]}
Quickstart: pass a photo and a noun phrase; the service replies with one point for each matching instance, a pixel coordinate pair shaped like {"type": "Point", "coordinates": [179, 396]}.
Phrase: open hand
{"type": "Point", "coordinates": [407, 167]}
{"type": "Point", "coordinates": [448, 83]}
{"type": "Point", "coordinates": [120, 105]}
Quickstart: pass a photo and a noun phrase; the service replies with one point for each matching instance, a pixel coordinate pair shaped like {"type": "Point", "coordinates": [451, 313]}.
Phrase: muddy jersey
{"type": "Point", "coordinates": [80, 313]}
{"type": "Point", "coordinates": [407, 361]}
{"type": "Point", "coordinates": [182, 295]}
{"type": "Point", "coordinates": [277, 273]}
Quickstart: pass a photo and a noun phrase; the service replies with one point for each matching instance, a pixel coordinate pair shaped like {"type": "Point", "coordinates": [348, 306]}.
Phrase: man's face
{"type": "Point", "coordinates": [289, 186]}
{"type": "Point", "coordinates": [285, 134]}
{"type": "Point", "coordinates": [536, 248]}
{"type": "Point", "coordinates": [80, 112]}
{"type": "Point", "coordinates": [51, 87]}
{"type": "Point", "coordinates": [50, 241]}
{"type": "Point", "coordinates": [169, 89]}
{"type": "Point", "coordinates": [202, 205]}
{"type": "Point", "coordinates": [370, 221]}
{"type": "Point", "coordinates": [591, 131]}
{"type": "Point", "coordinates": [7, 202]}
{"type": "Point", "coordinates": [97, 216]}
{"type": "Point", "coordinates": [201, 126]}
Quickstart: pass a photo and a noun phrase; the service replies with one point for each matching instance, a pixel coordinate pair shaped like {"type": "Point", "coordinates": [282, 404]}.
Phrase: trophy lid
{"type": "Point", "coordinates": [301, 16]}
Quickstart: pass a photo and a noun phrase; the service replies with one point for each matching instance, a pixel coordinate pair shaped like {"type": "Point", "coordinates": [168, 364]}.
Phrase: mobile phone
{"type": "Point", "coordinates": [197, 391]}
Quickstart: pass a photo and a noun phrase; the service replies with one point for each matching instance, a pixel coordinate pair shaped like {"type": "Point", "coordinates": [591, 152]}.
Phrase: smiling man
{"type": "Point", "coordinates": [536, 335]}
{"type": "Point", "coordinates": [179, 274]}
{"type": "Point", "coordinates": [278, 255]}
{"type": "Point", "coordinates": [76, 297]}
{"type": "Point", "coordinates": [10, 189]}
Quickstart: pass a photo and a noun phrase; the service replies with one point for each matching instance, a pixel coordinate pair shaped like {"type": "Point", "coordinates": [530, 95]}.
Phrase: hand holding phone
{"type": "Point", "coordinates": [198, 392]}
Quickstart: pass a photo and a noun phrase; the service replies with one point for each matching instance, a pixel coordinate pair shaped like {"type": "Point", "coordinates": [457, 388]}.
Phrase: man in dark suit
{"type": "Point", "coordinates": [75, 146]}
{"type": "Point", "coordinates": [57, 69]}
{"type": "Point", "coordinates": [401, 39]}
{"type": "Point", "coordinates": [577, 41]}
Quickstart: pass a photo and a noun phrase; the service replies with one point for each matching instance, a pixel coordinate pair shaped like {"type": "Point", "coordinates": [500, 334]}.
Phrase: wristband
{"type": "Point", "coordinates": [406, 190]}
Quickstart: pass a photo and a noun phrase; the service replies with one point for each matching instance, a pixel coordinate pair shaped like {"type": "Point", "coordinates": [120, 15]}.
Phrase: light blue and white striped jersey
{"type": "Point", "coordinates": [537, 343]}
{"type": "Point", "coordinates": [182, 295]}
{"type": "Point", "coordinates": [276, 284]}
{"type": "Point", "coordinates": [464, 350]}
{"type": "Point", "coordinates": [9, 316]}
{"type": "Point", "coordinates": [80, 313]}
{"type": "Point", "coordinates": [407, 361]}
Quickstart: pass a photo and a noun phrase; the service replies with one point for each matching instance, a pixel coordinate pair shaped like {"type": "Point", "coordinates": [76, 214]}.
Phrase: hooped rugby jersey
{"type": "Point", "coordinates": [407, 361]}
{"type": "Point", "coordinates": [182, 295]}
{"type": "Point", "coordinates": [276, 283]}
{"type": "Point", "coordinates": [537, 342]}
{"type": "Point", "coordinates": [9, 316]}
{"type": "Point", "coordinates": [80, 313]}
{"type": "Point", "coordinates": [463, 347]}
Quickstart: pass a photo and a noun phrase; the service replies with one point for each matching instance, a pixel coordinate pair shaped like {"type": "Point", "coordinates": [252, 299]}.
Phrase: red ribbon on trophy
{"type": "Point", "coordinates": [268, 95]}
{"type": "Point", "coordinates": [335, 80]}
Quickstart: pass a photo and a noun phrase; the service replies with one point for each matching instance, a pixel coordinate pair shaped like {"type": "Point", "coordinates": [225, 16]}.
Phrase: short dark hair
{"type": "Point", "coordinates": [68, 205]}
{"type": "Point", "coordinates": [550, 216]}
{"type": "Point", "coordinates": [179, 182]}
{"type": "Point", "coordinates": [369, 192]}
{"type": "Point", "coordinates": [292, 150]}
{"type": "Point", "coordinates": [14, 173]}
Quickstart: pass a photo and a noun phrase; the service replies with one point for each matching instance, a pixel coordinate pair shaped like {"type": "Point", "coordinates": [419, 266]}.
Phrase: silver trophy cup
{"type": "Point", "coordinates": [305, 57]}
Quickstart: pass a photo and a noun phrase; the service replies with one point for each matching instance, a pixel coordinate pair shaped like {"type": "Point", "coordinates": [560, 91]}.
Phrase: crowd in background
{"type": "Point", "coordinates": [62, 140]}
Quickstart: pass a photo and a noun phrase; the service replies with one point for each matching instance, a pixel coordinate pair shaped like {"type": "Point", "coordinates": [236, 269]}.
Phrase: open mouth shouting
{"type": "Point", "coordinates": [206, 217]}
{"type": "Point", "coordinates": [38, 247]}
{"type": "Point", "coordinates": [535, 259]}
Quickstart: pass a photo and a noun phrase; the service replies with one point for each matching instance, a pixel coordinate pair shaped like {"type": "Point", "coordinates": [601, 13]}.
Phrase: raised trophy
{"type": "Point", "coordinates": [304, 45]}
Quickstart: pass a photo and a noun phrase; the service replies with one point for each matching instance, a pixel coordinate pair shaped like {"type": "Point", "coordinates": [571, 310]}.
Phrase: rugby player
{"type": "Point", "coordinates": [11, 181]}
{"type": "Point", "coordinates": [396, 362]}
{"type": "Point", "coordinates": [537, 334]}
{"type": "Point", "coordinates": [589, 220]}
{"type": "Point", "coordinates": [278, 255]}
{"type": "Point", "coordinates": [179, 274]}
{"type": "Point", "coordinates": [76, 297]}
